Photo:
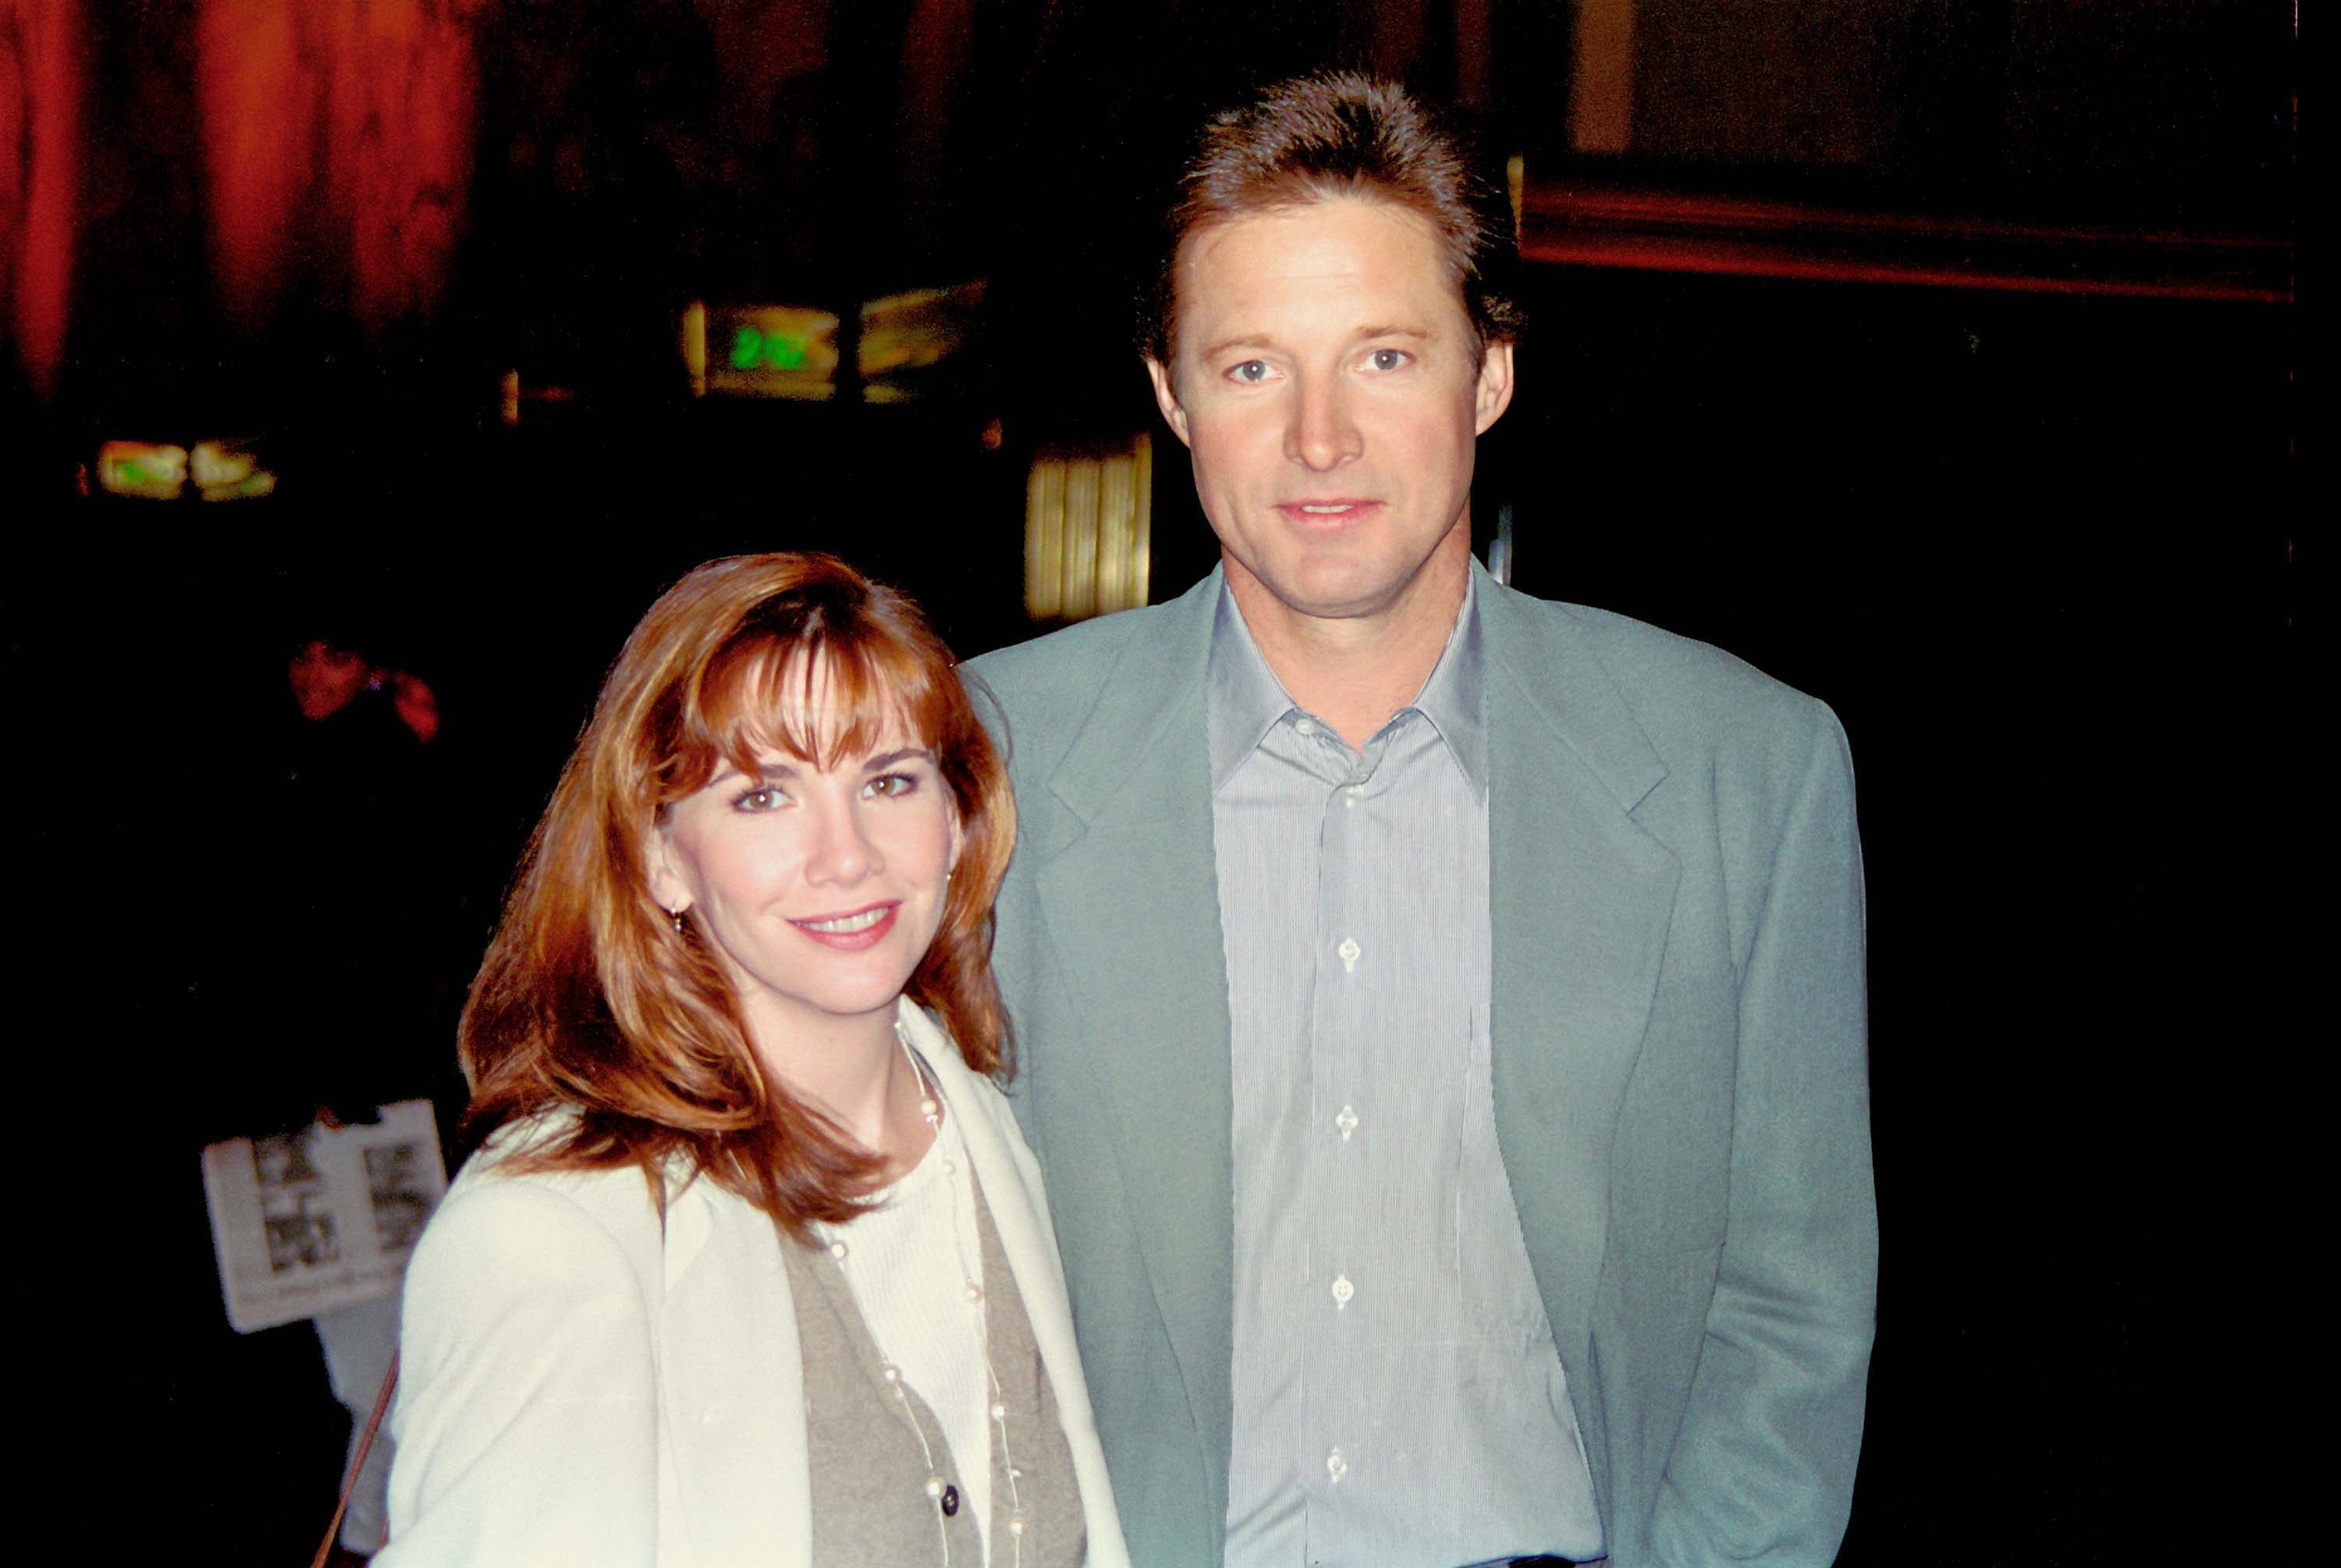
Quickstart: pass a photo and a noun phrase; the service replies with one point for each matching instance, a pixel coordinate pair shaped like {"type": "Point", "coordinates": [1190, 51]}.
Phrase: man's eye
{"type": "Point", "coordinates": [1250, 371]}
{"type": "Point", "coordinates": [1387, 359]}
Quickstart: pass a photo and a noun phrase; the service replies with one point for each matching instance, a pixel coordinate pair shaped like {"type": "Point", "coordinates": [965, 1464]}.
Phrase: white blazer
{"type": "Point", "coordinates": [577, 1388]}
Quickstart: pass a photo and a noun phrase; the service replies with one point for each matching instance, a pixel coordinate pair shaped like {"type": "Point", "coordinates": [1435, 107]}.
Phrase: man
{"type": "Point", "coordinates": [1441, 1012]}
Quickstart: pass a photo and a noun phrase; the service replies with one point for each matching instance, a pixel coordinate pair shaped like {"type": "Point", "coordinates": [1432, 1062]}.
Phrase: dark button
{"type": "Point", "coordinates": [950, 1501]}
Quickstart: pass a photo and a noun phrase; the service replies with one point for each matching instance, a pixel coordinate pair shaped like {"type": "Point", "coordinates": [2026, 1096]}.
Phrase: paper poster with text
{"type": "Point", "coordinates": [323, 1218]}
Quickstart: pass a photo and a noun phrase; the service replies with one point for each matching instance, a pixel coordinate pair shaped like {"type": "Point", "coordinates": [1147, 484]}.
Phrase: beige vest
{"type": "Point", "coordinates": [868, 1475]}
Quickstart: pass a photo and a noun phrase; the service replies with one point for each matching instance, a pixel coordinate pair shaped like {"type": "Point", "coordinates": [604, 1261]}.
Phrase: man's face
{"type": "Point", "coordinates": [1327, 385]}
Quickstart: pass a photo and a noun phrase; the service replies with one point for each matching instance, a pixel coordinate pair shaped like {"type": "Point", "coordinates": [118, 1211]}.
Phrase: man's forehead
{"type": "Point", "coordinates": [1253, 271]}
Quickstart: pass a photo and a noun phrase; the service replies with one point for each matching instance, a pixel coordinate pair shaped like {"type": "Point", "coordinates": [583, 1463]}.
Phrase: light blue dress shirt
{"type": "Point", "coordinates": [1396, 1395]}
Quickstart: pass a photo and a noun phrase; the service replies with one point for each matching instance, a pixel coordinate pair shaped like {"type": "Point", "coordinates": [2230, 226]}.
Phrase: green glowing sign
{"type": "Point", "coordinates": [779, 351]}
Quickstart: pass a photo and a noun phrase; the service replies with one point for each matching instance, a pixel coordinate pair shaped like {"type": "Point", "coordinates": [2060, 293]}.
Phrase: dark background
{"type": "Point", "coordinates": [2034, 545]}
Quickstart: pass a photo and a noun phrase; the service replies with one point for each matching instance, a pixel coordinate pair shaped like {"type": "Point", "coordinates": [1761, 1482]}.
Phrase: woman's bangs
{"type": "Point", "coordinates": [822, 699]}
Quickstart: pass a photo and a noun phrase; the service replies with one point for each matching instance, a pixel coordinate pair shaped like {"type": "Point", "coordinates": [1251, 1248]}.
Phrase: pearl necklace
{"type": "Point", "coordinates": [943, 1496]}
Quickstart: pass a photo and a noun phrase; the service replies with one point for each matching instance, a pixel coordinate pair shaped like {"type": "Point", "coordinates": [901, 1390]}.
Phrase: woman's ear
{"type": "Point", "coordinates": [667, 885]}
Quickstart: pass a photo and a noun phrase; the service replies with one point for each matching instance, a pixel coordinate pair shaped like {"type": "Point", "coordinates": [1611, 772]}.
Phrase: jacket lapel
{"type": "Point", "coordinates": [1580, 897]}
{"type": "Point", "coordinates": [1012, 1192]}
{"type": "Point", "coordinates": [1129, 896]}
{"type": "Point", "coordinates": [732, 1376]}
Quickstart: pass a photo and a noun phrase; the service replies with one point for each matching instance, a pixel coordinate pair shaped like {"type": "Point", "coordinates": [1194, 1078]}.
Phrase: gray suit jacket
{"type": "Point", "coordinates": [1680, 1062]}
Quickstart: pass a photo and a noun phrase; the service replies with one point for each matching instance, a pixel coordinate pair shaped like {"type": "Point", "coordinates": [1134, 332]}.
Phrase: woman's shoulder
{"type": "Point", "coordinates": [500, 1204]}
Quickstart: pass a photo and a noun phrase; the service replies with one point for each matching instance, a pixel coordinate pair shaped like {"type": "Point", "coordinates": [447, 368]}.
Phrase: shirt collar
{"type": "Point", "coordinates": [1243, 700]}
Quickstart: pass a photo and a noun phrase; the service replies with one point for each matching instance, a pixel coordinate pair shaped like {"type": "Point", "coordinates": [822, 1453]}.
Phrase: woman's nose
{"type": "Point", "coordinates": [842, 852]}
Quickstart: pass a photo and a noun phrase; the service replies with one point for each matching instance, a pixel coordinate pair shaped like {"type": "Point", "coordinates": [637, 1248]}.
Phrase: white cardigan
{"type": "Point", "coordinates": [576, 1388]}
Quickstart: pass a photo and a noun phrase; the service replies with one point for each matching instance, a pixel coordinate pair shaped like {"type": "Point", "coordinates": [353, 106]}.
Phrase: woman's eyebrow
{"type": "Point", "coordinates": [885, 760]}
{"type": "Point", "coordinates": [776, 772]}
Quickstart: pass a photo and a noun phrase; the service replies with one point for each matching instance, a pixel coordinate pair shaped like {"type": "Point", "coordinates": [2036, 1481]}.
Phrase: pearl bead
{"type": "Point", "coordinates": [929, 1108]}
{"type": "Point", "coordinates": [837, 1250]}
{"type": "Point", "coordinates": [1016, 1524]}
{"type": "Point", "coordinates": [974, 1293]}
{"type": "Point", "coordinates": [890, 1372]}
{"type": "Point", "coordinates": [999, 1411]}
{"type": "Point", "coordinates": [934, 1486]}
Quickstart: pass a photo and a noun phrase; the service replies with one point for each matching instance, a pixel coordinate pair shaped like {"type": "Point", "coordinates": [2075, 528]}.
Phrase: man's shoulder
{"type": "Point", "coordinates": [1048, 686]}
{"type": "Point", "coordinates": [1058, 658]}
{"type": "Point", "coordinates": [1076, 658]}
{"type": "Point", "coordinates": [1680, 691]}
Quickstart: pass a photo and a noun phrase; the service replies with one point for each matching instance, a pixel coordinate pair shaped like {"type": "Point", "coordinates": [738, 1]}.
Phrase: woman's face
{"type": "Point", "coordinates": [821, 887]}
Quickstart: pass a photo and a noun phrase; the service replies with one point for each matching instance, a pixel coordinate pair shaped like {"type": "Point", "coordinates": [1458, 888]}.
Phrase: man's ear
{"type": "Point", "coordinates": [1167, 399]}
{"type": "Point", "coordinates": [1494, 390]}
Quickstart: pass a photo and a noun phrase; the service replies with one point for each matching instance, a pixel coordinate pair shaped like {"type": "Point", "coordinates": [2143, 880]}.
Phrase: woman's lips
{"type": "Point", "coordinates": [852, 930]}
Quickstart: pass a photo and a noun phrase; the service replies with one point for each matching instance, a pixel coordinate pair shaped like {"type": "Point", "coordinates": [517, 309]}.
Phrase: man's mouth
{"type": "Point", "coordinates": [1331, 510]}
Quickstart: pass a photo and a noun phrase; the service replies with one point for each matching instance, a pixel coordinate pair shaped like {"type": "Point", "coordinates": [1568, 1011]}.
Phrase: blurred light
{"type": "Point", "coordinates": [1088, 531]}
{"type": "Point", "coordinates": [229, 471]}
{"type": "Point", "coordinates": [335, 129]}
{"type": "Point", "coordinates": [142, 469]}
{"type": "Point", "coordinates": [905, 334]}
{"type": "Point", "coordinates": [40, 102]}
{"type": "Point", "coordinates": [768, 351]}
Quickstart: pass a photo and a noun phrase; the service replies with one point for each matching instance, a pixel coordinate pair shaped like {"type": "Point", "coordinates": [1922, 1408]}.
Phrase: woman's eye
{"type": "Point", "coordinates": [763, 797]}
{"type": "Point", "coordinates": [1387, 359]}
{"type": "Point", "coordinates": [1250, 371]}
{"type": "Point", "coordinates": [891, 784]}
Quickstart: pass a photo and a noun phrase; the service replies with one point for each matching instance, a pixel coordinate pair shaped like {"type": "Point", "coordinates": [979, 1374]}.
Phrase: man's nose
{"type": "Point", "coordinates": [1322, 435]}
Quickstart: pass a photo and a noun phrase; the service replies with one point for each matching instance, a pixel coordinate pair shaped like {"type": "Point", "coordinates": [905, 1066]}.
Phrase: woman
{"type": "Point", "coordinates": [755, 1267]}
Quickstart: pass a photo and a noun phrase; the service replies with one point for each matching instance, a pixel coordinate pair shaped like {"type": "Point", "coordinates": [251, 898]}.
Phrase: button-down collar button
{"type": "Point", "coordinates": [1305, 726]}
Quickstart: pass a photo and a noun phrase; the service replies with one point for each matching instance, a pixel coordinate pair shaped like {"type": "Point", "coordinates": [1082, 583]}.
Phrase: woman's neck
{"type": "Point", "coordinates": [862, 1079]}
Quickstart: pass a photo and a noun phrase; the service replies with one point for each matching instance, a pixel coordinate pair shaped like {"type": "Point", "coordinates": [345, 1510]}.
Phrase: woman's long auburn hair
{"type": "Point", "coordinates": [589, 998]}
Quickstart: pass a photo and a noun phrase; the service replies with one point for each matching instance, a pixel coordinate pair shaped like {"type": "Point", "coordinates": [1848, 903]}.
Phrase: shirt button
{"type": "Point", "coordinates": [1349, 949]}
{"type": "Point", "coordinates": [1335, 1466]}
{"type": "Point", "coordinates": [1306, 725]}
{"type": "Point", "coordinates": [1343, 1291]}
{"type": "Point", "coordinates": [1353, 793]}
{"type": "Point", "coordinates": [1347, 1121]}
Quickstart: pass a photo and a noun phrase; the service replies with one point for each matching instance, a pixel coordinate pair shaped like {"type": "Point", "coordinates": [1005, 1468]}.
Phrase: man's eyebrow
{"type": "Point", "coordinates": [1252, 341]}
{"type": "Point", "coordinates": [1217, 348]}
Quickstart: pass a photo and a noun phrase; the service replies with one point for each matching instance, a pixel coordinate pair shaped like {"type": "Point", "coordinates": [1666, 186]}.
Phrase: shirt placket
{"type": "Point", "coordinates": [1345, 969]}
